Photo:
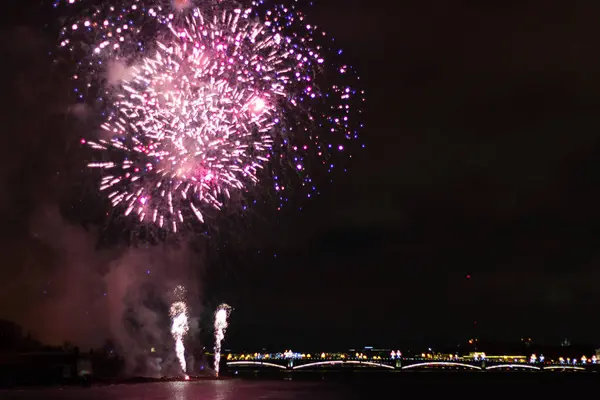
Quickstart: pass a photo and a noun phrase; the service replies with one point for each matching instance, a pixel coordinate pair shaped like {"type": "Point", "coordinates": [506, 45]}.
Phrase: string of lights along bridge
{"type": "Point", "coordinates": [395, 361]}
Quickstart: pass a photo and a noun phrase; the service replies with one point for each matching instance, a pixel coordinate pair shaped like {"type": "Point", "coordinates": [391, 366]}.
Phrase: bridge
{"type": "Point", "coordinates": [294, 362]}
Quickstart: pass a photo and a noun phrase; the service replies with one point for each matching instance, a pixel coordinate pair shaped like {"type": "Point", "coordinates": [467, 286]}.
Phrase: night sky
{"type": "Point", "coordinates": [472, 211]}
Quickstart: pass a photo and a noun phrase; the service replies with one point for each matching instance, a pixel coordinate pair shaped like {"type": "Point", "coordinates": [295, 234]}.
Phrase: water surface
{"type": "Point", "coordinates": [320, 387]}
{"type": "Point", "coordinates": [200, 390]}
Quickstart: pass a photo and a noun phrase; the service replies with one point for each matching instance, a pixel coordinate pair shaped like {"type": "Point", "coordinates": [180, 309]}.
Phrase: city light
{"type": "Point", "coordinates": [393, 359]}
{"type": "Point", "coordinates": [533, 359]}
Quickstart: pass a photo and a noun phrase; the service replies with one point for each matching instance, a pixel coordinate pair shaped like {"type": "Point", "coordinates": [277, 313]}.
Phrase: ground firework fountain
{"type": "Point", "coordinates": [221, 315]}
{"type": "Point", "coordinates": [180, 326]}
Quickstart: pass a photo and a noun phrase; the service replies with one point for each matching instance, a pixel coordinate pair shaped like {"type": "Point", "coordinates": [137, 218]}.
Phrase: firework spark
{"type": "Point", "coordinates": [221, 315]}
{"type": "Point", "coordinates": [179, 327]}
{"type": "Point", "coordinates": [200, 113]}
{"type": "Point", "coordinates": [224, 98]}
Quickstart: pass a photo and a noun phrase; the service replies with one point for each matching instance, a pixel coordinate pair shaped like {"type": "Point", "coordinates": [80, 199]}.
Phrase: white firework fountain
{"type": "Point", "coordinates": [221, 315]}
{"type": "Point", "coordinates": [179, 327]}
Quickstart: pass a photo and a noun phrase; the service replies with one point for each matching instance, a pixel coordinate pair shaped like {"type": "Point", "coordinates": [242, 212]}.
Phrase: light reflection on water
{"type": "Point", "coordinates": [217, 390]}
{"type": "Point", "coordinates": [358, 386]}
{"type": "Point", "coordinates": [199, 390]}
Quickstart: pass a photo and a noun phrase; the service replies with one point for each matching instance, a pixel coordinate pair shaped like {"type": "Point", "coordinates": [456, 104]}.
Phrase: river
{"type": "Point", "coordinates": [465, 385]}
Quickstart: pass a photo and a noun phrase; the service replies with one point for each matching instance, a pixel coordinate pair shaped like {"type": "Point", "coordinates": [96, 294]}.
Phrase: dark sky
{"type": "Point", "coordinates": [482, 138]}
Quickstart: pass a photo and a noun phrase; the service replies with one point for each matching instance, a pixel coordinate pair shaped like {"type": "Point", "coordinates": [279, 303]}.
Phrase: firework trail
{"type": "Point", "coordinates": [217, 99]}
{"type": "Point", "coordinates": [221, 315]}
{"type": "Point", "coordinates": [179, 327]}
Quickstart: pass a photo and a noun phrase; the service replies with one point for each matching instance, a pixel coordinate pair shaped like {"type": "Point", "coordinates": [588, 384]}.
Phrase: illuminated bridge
{"type": "Point", "coordinates": [289, 361]}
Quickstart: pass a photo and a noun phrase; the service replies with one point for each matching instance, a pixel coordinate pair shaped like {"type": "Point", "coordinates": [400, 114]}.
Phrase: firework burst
{"type": "Point", "coordinates": [223, 98]}
{"type": "Point", "coordinates": [200, 113]}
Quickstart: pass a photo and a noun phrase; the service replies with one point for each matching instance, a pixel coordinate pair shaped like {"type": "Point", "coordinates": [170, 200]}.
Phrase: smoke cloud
{"type": "Point", "coordinates": [181, 5]}
{"type": "Point", "coordinates": [117, 72]}
{"type": "Point", "coordinates": [55, 280]}
{"type": "Point", "coordinates": [68, 290]}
